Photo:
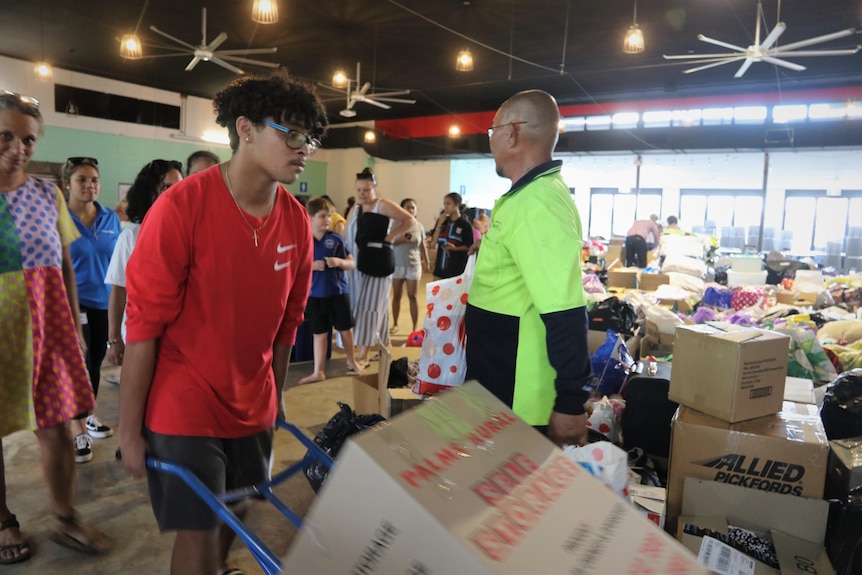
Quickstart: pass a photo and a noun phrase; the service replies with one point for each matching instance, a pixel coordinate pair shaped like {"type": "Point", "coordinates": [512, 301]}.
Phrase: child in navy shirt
{"type": "Point", "coordinates": [328, 305]}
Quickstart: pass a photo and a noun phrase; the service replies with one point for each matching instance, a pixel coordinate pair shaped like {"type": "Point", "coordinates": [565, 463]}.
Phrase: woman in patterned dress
{"type": "Point", "coordinates": [43, 379]}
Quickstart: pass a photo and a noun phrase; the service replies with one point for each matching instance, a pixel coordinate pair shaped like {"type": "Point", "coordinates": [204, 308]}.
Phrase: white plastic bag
{"type": "Point", "coordinates": [605, 461]}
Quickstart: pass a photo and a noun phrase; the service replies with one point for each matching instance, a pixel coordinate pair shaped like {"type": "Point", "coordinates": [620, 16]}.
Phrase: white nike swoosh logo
{"type": "Point", "coordinates": [278, 267]}
{"type": "Point", "coordinates": [281, 249]}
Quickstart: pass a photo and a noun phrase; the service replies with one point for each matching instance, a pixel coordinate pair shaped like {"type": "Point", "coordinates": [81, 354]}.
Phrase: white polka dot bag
{"type": "Point", "coordinates": [443, 362]}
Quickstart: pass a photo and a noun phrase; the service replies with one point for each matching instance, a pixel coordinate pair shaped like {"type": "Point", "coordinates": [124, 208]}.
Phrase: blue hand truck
{"type": "Point", "coordinates": [270, 564]}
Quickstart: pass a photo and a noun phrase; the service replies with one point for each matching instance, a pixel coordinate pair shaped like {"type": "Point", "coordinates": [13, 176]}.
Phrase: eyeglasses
{"type": "Point", "coordinates": [26, 100]}
{"type": "Point", "coordinates": [80, 161]}
{"type": "Point", "coordinates": [492, 128]}
{"type": "Point", "coordinates": [295, 139]}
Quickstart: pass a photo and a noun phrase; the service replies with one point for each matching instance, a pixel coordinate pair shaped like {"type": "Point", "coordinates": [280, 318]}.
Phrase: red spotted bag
{"type": "Point", "coordinates": [443, 361]}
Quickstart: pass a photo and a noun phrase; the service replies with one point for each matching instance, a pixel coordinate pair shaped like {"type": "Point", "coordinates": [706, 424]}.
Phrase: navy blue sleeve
{"type": "Point", "coordinates": [567, 351]}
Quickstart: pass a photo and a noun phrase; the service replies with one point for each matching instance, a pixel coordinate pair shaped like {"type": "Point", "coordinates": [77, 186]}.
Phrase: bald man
{"type": "Point", "coordinates": [526, 315]}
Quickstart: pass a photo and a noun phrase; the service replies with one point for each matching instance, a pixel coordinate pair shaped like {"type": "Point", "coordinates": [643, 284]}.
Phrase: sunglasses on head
{"type": "Point", "coordinates": [26, 100]}
{"type": "Point", "coordinates": [295, 139]}
{"type": "Point", "coordinates": [82, 161]}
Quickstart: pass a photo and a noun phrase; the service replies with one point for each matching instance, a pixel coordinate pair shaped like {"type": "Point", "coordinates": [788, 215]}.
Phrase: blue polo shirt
{"type": "Point", "coordinates": [91, 254]}
{"type": "Point", "coordinates": [331, 281]}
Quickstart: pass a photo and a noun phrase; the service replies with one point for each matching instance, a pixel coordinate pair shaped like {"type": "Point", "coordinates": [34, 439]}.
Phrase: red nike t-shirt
{"type": "Point", "coordinates": [217, 304]}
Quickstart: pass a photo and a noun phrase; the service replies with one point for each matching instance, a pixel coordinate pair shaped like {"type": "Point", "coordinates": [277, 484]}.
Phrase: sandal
{"type": "Point", "coordinates": [88, 540]}
{"type": "Point", "coordinates": [23, 548]}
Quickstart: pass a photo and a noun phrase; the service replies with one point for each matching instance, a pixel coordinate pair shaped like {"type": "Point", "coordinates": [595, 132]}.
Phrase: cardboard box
{"type": "Point", "coordinates": [801, 299]}
{"type": "Point", "coordinates": [595, 339]}
{"type": "Point", "coordinates": [732, 372]}
{"type": "Point", "coordinates": [799, 390]}
{"type": "Point", "coordinates": [459, 485]}
{"type": "Point", "coordinates": [614, 257]}
{"type": "Point", "coordinates": [623, 278]}
{"type": "Point", "coordinates": [845, 467]}
{"type": "Point", "coordinates": [649, 282]}
{"type": "Point", "coordinates": [654, 346]}
{"type": "Point", "coordinates": [371, 393]}
{"type": "Point", "coordinates": [797, 524]}
{"type": "Point", "coordinates": [653, 331]}
{"type": "Point", "coordinates": [678, 305]}
{"type": "Point", "coordinates": [649, 501]}
{"type": "Point", "coordinates": [785, 453]}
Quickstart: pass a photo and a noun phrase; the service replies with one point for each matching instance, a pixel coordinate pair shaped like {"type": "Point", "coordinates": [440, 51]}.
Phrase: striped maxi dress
{"type": "Point", "coordinates": [369, 296]}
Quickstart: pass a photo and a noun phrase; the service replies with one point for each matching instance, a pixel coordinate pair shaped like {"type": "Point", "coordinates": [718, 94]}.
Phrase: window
{"type": "Point", "coordinates": [817, 218]}
{"type": "Point", "coordinates": [731, 212]}
{"type": "Point", "coordinates": [613, 212]}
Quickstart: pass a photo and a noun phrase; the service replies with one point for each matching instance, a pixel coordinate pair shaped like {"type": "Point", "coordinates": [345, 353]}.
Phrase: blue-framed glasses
{"type": "Point", "coordinates": [295, 139]}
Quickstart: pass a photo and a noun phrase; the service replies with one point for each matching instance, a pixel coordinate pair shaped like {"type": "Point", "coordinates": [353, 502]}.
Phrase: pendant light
{"type": "Point", "coordinates": [130, 47]}
{"type": "Point", "coordinates": [264, 11]}
{"type": "Point", "coordinates": [339, 79]}
{"type": "Point", "coordinates": [634, 42]}
{"type": "Point", "coordinates": [464, 62]}
{"type": "Point", "coordinates": [130, 44]}
{"type": "Point", "coordinates": [42, 70]}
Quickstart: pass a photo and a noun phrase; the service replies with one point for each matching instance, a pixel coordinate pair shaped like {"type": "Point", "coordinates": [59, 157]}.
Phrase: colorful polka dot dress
{"type": "Point", "coordinates": [43, 379]}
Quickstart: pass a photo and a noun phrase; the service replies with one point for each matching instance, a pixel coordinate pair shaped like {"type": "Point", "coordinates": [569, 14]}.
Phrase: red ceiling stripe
{"type": "Point", "coordinates": [477, 123]}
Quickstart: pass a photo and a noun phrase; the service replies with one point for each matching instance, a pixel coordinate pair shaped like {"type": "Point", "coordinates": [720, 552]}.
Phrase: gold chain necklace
{"type": "Point", "coordinates": [253, 229]}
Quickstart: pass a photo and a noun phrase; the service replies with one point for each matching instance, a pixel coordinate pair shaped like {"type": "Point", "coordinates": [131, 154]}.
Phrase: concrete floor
{"type": "Point", "coordinates": [119, 505]}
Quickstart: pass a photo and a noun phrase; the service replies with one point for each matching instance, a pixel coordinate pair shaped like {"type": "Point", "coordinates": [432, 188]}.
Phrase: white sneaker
{"type": "Point", "coordinates": [83, 448]}
{"type": "Point", "coordinates": [97, 429]}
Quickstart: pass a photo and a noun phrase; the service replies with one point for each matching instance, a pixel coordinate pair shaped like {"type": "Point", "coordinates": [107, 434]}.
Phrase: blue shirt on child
{"type": "Point", "coordinates": [331, 281]}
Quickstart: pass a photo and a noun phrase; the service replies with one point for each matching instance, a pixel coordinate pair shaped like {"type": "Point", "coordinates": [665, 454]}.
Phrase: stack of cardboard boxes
{"type": "Point", "coordinates": [734, 431]}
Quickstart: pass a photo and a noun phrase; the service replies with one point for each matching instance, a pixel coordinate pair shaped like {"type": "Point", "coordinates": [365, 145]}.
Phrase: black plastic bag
{"type": "Point", "coordinates": [844, 535]}
{"type": "Point", "coordinates": [399, 373]}
{"type": "Point", "coordinates": [614, 314]}
{"type": "Point", "coordinates": [332, 437]}
{"type": "Point", "coordinates": [841, 412]}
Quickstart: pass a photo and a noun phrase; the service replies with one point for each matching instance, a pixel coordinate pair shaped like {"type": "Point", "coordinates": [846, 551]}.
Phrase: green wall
{"type": "Point", "coordinates": [122, 157]}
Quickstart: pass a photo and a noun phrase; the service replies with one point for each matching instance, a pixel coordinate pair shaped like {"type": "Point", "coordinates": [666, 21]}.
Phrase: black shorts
{"type": "Point", "coordinates": [222, 464]}
{"type": "Point", "coordinates": [323, 313]}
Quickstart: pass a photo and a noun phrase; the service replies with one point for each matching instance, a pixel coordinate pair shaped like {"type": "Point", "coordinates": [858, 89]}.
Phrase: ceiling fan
{"type": "Point", "coordinates": [764, 51]}
{"type": "Point", "coordinates": [209, 52]}
{"type": "Point", "coordinates": [355, 91]}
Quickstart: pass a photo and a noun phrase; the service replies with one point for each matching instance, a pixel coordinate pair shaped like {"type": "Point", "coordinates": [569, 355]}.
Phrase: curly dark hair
{"type": "Point", "coordinates": [276, 96]}
{"type": "Point", "coordinates": [201, 154]}
{"type": "Point", "coordinates": [367, 174]}
{"type": "Point", "coordinates": [147, 187]}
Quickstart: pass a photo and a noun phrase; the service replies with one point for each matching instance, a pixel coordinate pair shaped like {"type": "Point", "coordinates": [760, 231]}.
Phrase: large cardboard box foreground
{"type": "Point", "coordinates": [734, 373]}
{"type": "Point", "coordinates": [785, 453]}
{"type": "Point", "coordinates": [459, 485]}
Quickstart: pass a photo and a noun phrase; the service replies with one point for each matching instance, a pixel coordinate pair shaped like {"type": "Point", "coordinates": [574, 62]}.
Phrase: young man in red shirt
{"type": "Point", "coordinates": [216, 288]}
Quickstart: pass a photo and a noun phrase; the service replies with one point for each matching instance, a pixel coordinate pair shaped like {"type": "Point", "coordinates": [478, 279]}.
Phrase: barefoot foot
{"type": "Point", "coordinates": [314, 377]}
